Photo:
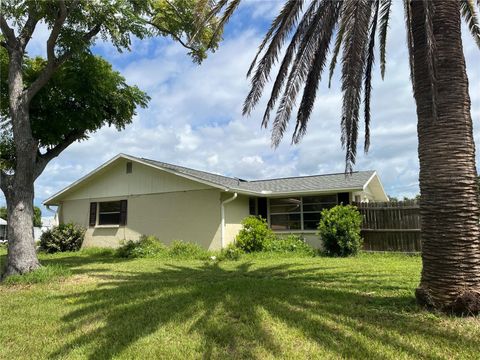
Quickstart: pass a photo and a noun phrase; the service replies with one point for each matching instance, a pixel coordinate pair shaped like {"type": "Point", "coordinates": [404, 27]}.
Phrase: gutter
{"type": "Point", "coordinates": [222, 229]}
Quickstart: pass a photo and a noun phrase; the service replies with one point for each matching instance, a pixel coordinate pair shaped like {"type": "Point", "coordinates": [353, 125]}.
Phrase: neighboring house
{"type": "Point", "coordinates": [49, 222]}
{"type": "Point", "coordinates": [3, 230]}
{"type": "Point", "coordinates": [129, 196]}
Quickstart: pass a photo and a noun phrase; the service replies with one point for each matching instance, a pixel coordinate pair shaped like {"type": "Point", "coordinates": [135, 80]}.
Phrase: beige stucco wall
{"type": "Point", "coordinates": [114, 181]}
{"type": "Point", "coordinates": [159, 203]}
{"type": "Point", "coordinates": [192, 216]}
{"type": "Point", "coordinates": [235, 212]}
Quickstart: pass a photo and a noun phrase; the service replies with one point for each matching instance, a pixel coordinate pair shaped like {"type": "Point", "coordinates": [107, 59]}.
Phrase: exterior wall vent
{"type": "Point", "coordinates": [129, 167]}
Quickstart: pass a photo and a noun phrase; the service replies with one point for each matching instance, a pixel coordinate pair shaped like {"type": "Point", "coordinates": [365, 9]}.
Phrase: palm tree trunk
{"type": "Point", "coordinates": [449, 208]}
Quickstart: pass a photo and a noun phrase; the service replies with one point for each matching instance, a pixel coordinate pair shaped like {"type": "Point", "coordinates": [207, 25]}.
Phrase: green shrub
{"type": "Point", "coordinates": [146, 247]}
{"type": "Point", "coordinates": [151, 247]}
{"type": "Point", "coordinates": [253, 235]}
{"type": "Point", "coordinates": [231, 252]}
{"type": "Point", "coordinates": [288, 244]}
{"type": "Point", "coordinates": [185, 250]}
{"type": "Point", "coordinates": [43, 274]}
{"type": "Point", "coordinates": [339, 230]}
{"type": "Point", "coordinates": [97, 251]}
{"type": "Point", "coordinates": [64, 237]}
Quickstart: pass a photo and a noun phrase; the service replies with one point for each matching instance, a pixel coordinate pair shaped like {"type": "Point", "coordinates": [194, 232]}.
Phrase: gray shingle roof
{"type": "Point", "coordinates": [271, 186]}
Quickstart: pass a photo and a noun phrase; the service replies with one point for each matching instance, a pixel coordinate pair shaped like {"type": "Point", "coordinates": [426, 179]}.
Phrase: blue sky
{"type": "Point", "coordinates": [194, 118]}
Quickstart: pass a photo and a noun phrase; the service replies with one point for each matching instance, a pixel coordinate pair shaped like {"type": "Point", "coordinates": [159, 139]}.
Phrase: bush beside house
{"type": "Point", "coordinates": [256, 236]}
{"type": "Point", "coordinates": [61, 238]}
{"type": "Point", "coordinates": [151, 247]}
{"type": "Point", "coordinates": [339, 230]}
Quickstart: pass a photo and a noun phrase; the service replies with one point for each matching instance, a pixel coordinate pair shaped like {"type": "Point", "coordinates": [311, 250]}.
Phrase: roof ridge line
{"type": "Point", "coordinates": [315, 175]}
{"type": "Point", "coordinates": [188, 168]}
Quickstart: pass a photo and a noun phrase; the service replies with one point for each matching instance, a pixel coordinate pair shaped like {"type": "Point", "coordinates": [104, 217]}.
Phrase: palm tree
{"type": "Point", "coordinates": [450, 278]}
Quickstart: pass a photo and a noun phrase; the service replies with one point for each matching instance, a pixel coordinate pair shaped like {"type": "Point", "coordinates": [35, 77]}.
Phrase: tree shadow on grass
{"type": "Point", "coordinates": [237, 313]}
{"type": "Point", "coordinates": [80, 259]}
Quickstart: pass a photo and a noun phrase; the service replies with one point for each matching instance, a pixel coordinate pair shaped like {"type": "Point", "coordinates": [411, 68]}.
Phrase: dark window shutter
{"type": "Point", "coordinates": [93, 214]}
{"type": "Point", "coordinates": [123, 212]}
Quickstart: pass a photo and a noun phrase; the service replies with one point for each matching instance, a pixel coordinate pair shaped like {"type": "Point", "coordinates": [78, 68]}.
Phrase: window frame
{"type": "Point", "coordinates": [302, 212]}
{"type": "Point", "coordinates": [97, 217]}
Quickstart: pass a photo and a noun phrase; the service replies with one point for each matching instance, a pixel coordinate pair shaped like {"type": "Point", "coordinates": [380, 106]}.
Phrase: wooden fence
{"type": "Point", "coordinates": [391, 226]}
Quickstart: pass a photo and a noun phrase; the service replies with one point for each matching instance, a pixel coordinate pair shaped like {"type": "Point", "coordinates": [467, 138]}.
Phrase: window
{"type": "Point", "coordinates": [109, 213]}
{"type": "Point", "coordinates": [258, 206]}
{"type": "Point", "coordinates": [252, 205]}
{"type": "Point", "coordinates": [285, 214]}
{"type": "Point", "coordinates": [299, 213]}
{"type": "Point", "coordinates": [313, 206]}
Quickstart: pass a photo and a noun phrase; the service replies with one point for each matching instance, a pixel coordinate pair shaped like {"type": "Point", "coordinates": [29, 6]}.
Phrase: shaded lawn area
{"type": "Point", "coordinates": [259, 307]}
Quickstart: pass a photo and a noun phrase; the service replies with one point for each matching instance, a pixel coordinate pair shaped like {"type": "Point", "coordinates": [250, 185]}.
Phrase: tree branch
{"type": "Point", "coordinates": [175, 36]}
{"type": "Point", "coordinates": [57, 26]}
{"type": "Point", "coordinates": [28, 28]}
{"type": "Point", "coordinates": [50, 154]}
{"type": "Point", "coordinates": [54, 64]}
{"type": "Point", "coordinates": [8, 32]}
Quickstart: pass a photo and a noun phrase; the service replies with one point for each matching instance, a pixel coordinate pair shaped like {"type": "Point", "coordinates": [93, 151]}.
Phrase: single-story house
{"type": "Point", "coordinates": [3, 230]}
{"type": "Point", "coordinates": [130, 196]}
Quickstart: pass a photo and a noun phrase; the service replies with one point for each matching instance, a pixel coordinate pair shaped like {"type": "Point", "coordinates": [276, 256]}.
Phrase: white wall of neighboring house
{"type": "Point", "coordinates": [3, 230]}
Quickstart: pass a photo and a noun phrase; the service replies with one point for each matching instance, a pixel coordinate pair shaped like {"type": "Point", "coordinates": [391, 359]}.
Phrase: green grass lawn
{"type": "Point", "coordinates": [259, 307]}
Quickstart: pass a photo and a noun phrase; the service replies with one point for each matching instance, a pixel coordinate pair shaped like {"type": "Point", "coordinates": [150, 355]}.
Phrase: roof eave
{"type": "Point", "coordinates": [54, 199]}
{"type": "Point", "coordinates": [379, 182]}
{"type": "Point", "coordinates": [293, 193]}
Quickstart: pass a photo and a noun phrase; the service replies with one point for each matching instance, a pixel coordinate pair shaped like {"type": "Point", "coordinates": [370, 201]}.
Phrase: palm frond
{"type": "Point", "coordinates": [336, 50]}
{"type": "Point", "coordinates": [298, 72]}
{"type": "Point", "coordinates": [276, 23]}
{"type": "Point", "coordinates": [368, 75]}
{"type": "Point", "coordinates": [355, 48]}
{"type": "Point", "coordinates": [385, 8]}
{"type": "Point", "coordinates": [291, 12]}
{"type": "Point", "coordinates": [229, 10]}
{"type": "Point", "coordinates": [314, 76]}
{"type": "Point", "coordinates": [287, 59]}
{"type": "Point", "coordinates": [471, 18]}
{"type": "Point", "coordinates": [429, 9]}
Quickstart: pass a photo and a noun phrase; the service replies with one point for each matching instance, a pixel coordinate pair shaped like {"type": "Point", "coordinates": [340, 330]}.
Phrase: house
{"type": "Point", "coordinates": [130, 196]}
{"type": "Point", "coordinates": [3, 230]}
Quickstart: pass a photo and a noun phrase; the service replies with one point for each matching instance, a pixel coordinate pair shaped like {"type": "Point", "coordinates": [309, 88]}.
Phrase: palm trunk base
{"type": "Point", "coordinates": [467, 303]}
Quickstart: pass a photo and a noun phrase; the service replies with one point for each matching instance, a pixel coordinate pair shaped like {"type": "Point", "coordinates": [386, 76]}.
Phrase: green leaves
{"type": "Point", "coordinates": [84, 95]}
{"type": "Point", "coordinates": [339, 230]}
{"type": "Point", "coordinates": [81, 97]}
{"type": "Point", "coordinates": [254, 234]}
{"type": "Point", "coordinates": [190, 22]}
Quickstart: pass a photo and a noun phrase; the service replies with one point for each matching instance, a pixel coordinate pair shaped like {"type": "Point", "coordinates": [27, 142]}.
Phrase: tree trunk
{"type": "Point", "coordinates": [449, 210]}
{"type": "Point", "coordinates": [19, 188]}
{"type": "Point", "coordinates": [22, 257]}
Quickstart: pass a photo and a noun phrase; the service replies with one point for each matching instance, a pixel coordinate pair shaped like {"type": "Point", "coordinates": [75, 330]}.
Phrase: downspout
{"type": "Point", "coordinates": [222, 227]}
